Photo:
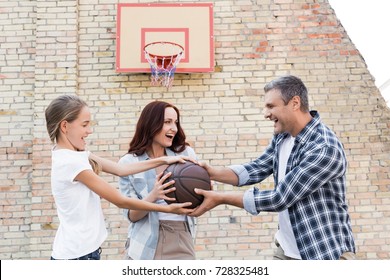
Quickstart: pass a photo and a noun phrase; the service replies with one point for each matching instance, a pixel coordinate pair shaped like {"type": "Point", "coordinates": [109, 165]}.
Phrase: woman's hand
{"type": "Point", "coordinates": [160, 190]}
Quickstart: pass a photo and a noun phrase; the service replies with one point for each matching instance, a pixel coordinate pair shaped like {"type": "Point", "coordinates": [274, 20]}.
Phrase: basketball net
{"type": "Point", "coordinates": [163, 65]}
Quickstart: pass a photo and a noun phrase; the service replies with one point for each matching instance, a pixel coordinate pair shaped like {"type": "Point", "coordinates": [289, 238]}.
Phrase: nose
{"type": "Point", "coordinates": [174, 127]}
{"type": "Point", "coordinates": [266, 113]}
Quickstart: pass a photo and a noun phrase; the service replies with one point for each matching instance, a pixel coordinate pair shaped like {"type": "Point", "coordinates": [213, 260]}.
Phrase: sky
{"type": "Point", "coordinates": [367, 23]}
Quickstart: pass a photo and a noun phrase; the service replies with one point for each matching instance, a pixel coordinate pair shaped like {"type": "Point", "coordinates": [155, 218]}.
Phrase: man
{"type": "Point", "coordinates": [308, 164]}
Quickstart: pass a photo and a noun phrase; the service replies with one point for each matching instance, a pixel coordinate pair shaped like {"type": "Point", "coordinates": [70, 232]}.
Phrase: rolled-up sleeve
{"type": "Point", "coordinates": [249, 198]}
{"type": "Point", "coordinates": [241, 172]}
{"type": "Point", "coordinates": [249, 201]}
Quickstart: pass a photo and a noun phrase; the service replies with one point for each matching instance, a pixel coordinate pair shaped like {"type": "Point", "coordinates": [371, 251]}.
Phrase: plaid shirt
{"type": "Point", "coordinates": [313, 190]}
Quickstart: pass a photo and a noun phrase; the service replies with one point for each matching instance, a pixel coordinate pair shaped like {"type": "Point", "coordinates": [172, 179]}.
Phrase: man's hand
{"type": "Point", "coordinates": [211, 200]}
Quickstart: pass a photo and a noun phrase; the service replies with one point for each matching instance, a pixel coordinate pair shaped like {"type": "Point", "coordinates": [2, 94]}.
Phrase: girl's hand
{"type": "Point", "coordinates": [160, 189]}
{"type": "Point", "coordinates": [182, 159]}
{"type": "Point", "coordinates": [179, 208]}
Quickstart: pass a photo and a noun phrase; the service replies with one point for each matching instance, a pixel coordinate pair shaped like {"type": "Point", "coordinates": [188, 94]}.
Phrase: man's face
{"type": "Point", "coordinates": [278, 112]}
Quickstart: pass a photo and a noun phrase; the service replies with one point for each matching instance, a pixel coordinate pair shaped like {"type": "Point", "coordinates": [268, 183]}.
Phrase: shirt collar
{"type": "Point", "coordinates": [307, 131]}
{"type": "Point", "coordinates": [145, 155]}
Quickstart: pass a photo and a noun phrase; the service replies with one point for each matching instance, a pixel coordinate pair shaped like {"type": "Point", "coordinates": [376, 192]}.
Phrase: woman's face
{"type": "Point", "coordinates": [164, 138]}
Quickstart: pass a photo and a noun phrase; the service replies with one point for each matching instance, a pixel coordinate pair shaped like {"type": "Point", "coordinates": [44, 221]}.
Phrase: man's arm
{"type": "Point", "coordinates": [223, 174]}
{"type": "Point", "coordinates": [213, 199]}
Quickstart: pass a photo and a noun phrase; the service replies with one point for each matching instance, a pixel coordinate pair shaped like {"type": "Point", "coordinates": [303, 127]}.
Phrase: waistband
{"type": "Point", "coordinates": [174, 225]}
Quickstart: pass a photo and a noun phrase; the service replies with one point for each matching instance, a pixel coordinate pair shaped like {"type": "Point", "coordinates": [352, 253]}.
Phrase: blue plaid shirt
{"type": "Point", "coordinates": [313, 190]}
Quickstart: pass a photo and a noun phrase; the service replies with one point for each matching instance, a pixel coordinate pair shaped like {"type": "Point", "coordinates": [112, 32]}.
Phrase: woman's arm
{"type": "Point", "coordinates": [159, 191]}
{"type": "Point", "coordinates": [104, 190]}
{"type": "Point", "coordinates": [136, 167]}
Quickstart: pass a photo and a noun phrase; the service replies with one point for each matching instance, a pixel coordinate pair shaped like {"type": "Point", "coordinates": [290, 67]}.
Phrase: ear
{"type": "Point", "coordinates": [63, 126]}
{"type": "Point", "coordinates": [296, 102]}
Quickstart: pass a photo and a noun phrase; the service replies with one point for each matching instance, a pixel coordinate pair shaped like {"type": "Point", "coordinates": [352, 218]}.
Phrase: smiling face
{"type": "Point", "coordinates": [75, 132]}
{"type": "Point", "coordinates": [165, 136]}
{"type": "Point", "coordinates": [278, 112]}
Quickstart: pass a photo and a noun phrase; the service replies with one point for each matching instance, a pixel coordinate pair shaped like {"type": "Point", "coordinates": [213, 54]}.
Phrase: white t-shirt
{"type": "Point", "coordinates": [285, 234]}
{"type": "Point", "coordinates": [82, 229]}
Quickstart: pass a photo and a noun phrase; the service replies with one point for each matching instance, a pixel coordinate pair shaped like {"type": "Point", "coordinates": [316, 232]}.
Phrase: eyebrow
{"type": "Point", "coordinates": [268, 104]}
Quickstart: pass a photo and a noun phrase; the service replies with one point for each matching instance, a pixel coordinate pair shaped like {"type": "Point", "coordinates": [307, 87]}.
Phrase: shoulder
{"type": "Point", "coordinates": [325, 136]}
{"type": "Point", "coordinates": [68, 156]}
{"type": "Point", "coordinates": [189, 152]}
{"type": "Point", "coordinates": [325, 144]}
{"type": "Point", "coordinates": [129, 158]}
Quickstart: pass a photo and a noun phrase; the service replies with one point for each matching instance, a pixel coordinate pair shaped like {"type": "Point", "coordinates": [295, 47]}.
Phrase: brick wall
{"type": "Point", "coordinates": [51, 47]}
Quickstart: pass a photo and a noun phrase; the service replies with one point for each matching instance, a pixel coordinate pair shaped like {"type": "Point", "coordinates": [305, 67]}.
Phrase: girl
{"type": "Point", "coordinates": [156, 235]}
{"type": "Point", "coordinates": [77, 188]}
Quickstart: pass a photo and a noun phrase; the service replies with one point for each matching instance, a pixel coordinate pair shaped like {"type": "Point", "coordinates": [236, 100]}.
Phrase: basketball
{"type": "Point", "coordinates": [187, 176]}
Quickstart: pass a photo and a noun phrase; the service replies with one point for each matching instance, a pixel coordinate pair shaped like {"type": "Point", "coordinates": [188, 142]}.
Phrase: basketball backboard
{"type": "Point", "coordinates": [187, 24]}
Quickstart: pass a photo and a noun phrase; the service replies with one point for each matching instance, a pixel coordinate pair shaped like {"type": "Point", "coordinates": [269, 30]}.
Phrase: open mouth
{"type": "Point", "coordinates": [170, 136]}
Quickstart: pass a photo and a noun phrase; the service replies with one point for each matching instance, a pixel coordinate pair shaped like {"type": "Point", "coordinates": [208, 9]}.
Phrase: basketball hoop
{"type": "Point", "coordinates": [163, 57]}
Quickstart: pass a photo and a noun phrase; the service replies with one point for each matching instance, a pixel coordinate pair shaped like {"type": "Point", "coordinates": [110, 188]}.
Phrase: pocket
{"type": "Point", "coordinates": [127, 244]}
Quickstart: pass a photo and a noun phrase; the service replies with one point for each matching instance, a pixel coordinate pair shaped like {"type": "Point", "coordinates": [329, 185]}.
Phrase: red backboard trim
{"type": "Point", "coordinates": [179, 69]}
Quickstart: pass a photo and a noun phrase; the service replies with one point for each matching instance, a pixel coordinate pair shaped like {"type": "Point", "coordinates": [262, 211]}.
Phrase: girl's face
{"type": "Point", "coordinates": [165, 137]}
{"type": "Point", "coordinates": [76, 131]}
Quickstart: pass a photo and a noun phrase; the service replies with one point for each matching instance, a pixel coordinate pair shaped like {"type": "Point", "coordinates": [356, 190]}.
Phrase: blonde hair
{"type": "Point", "coordinates": [65, 108]}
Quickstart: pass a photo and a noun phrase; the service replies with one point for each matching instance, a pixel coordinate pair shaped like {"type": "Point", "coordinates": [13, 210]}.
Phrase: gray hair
{"type": "Point", "coordinates": [289, 87]}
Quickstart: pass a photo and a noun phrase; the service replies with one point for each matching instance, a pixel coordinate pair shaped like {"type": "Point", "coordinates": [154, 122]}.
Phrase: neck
{"type": "Point", "coordinates": [64, 143]}
{"type": "Point", "coordinates": [301, 122]}
{"type": "Point", "coordinates": [156, 152]}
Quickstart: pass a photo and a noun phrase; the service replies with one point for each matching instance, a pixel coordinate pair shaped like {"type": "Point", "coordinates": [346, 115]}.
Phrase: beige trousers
{"type": "Point", "coordinates": [174, 242]}
{"type": "Point", "coordinates": [279, 254]}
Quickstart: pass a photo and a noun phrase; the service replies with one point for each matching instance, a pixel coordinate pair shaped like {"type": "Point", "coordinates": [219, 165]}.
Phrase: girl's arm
{"type": "Point", "coordinates": [104, 190]}
{"type": "Point", "coordinates": [135, 167]}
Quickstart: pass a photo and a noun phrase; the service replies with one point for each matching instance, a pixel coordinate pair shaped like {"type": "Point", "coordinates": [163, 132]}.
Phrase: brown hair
{"type": "Point", "coordinates": [65, 108]}
{"type": "Point", "coordinates": [150, 123]}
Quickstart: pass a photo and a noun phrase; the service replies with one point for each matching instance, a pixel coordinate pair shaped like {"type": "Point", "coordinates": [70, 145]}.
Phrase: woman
{"type": "Point", "coordinates": [76, 186]}
{"type": "Point", "coordinates": [155, 235]}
